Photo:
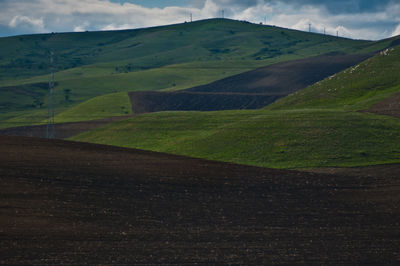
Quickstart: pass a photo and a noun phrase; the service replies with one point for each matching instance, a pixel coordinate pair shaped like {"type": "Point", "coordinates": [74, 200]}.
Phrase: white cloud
{"type": "Point", "coordinates": [253, 13]}
{"type": "Point", "coordinates": [26, 22]}
{"type": "Point", "coordinates": [116, 27]}
{"type": "Point", "coordinates": [80, 15]}
{"type": "Point", "coordinates": [396, 32]}
{"type": "Point", "coordinates": [358, 25]}
{"type": "Point", "coordinates": [79, 29]}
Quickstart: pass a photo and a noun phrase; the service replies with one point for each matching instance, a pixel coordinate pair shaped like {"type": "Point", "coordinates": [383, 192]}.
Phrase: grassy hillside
{"type": "Point", "coordinates": [92, 64]}
{"type": "Point", "coordinates": [313, 128]}
{"type": "Point", "coordinates": [316, 127]}
{"type": "Point", "coordinates": [354, 89]}
{"type": "Point", "coordinates": [206, 40]}
{"type": "Point", "coordinates": [116, 104]}
{"type": "Point", "coordinates": [279, 139]}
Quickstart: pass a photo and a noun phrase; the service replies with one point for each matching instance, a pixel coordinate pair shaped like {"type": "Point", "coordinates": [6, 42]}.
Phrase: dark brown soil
{"type": "Point", "coordinates": [153, 101]}
{"type": "Point", "coordinates": [389, 106]}
{"type": "Point", "coordinates": [251, 90]}
{"type": "Point", "coordinates": [76, 203]}
{"type": "Point", "coordinates": [386, 170]}
{"type": "Point", "coordinates": [286, 77]}
{"type": "Point", "coordinates": [62, 130]}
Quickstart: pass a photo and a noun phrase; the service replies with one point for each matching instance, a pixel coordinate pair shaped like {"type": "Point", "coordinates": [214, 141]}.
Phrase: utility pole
{"type": "Point", "coordinates": [223, 13]}
{"type": "Point", "coordinates": [309, 27]}
{"type": "Point", "coordinates": [324, 31]}
{"type": "Point", "coordinates": [337, 33]}
{"type": "Point", "coordinates": [265, 20]}
{"type": "Point", "coordinates": [191, 17]}
{"type": "Point", "coordinates": [50, 129]}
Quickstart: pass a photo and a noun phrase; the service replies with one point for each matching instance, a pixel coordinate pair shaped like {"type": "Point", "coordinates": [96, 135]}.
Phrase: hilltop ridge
{"type": "Point", "coordinates": [175, 57]}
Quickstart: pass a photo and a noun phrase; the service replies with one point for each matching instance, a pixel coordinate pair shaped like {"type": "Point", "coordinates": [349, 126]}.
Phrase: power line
{"type": "Point", "coordinates": [50, 128]}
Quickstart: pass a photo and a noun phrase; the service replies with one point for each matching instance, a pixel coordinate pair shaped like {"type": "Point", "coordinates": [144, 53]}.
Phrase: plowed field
{"type": "Point", "coordinates": [250, 90]}
{"type": "Point", "coordinates": [75, 203]}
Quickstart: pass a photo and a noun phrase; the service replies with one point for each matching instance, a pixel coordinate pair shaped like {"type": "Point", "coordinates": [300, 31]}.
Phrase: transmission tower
{"type": "Point", "coordinates": [223, 13]}
{"type": "Point", "coordinates": [50, 128]}
{"type": "Point", "coordinates": [309, 27]}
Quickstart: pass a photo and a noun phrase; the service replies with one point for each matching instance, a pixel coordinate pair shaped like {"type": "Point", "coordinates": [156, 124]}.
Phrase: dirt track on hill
{"type": "Point", "coordinates": [250, 90]}
{"type": "Point", "coordinates": [389, 106]}
{"type": "Point", "coordinates": [76, 203]}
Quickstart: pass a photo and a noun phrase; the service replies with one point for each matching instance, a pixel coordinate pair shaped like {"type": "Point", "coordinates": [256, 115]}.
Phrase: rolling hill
{"type": "Point", "coordinates": [175, 57]}
{"type": "Point", "coordinates": [250, 90]}
{"type": "Point", "coordinates": [313, 127]}
{"type": "Point", "coordinates": [357, 88]}
{"type": "Point", "coordinates": [320, 126]}
{"type": "Point", "coordinates": [79, 202]}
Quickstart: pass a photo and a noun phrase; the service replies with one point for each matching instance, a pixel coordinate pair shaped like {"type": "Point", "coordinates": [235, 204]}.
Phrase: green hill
{"type": "Point", "coordinates": [319, 126]}
{"type": "Point", "coordinates": [357, 88]}
{"type": "Point", "coordinates": [91, 64]}
{"type": "Point", "coordinates": [279, 139]}
{"type": "Point", "coordinates": [207, 40]}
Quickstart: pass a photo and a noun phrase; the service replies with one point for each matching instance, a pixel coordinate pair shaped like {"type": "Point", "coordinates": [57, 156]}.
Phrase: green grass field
{"type": "Point", "coordinates": [278, 139]}
{"type": "Point", "coordinates": [116, 104]}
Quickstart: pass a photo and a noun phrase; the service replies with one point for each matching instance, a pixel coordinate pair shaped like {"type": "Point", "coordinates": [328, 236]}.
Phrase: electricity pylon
{"type": "Point", "coordinates": [50, 128]}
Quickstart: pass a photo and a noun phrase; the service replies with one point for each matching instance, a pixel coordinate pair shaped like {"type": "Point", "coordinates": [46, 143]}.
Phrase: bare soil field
{"type": "Point", "coordinates": [386, 170]}
{"type": "Point", "coordinates": [147, 102]}
{"type": "Point", "coordinates": [286, 77]}
{"type": "Point", "coordinates": [76, 203]}
{"type": "Point", "coordinates": [250, 90]}
{"type": "Point", "coordinates": [62, 130]}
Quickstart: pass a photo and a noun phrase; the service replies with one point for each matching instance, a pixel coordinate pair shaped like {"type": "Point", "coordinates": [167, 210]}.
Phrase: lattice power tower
{"type": "Point", "coordinates": [50, 128]}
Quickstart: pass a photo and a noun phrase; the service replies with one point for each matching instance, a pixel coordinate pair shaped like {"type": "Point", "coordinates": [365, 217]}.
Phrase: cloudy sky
{"type": "Point", "coordinates": [358, 19]}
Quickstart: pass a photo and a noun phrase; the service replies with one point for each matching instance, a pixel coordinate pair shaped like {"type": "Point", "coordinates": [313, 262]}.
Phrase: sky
{"type": "Point", "coordinates": [357, 19]}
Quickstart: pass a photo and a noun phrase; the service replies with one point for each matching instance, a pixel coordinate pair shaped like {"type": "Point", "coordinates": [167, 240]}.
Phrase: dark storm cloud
{"type": "Point", "coordinates": [332, 6]}
{"type": "Point", "coordinates": [237, 2]}
{"type": "Point", "coordinates": [346, 6]}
